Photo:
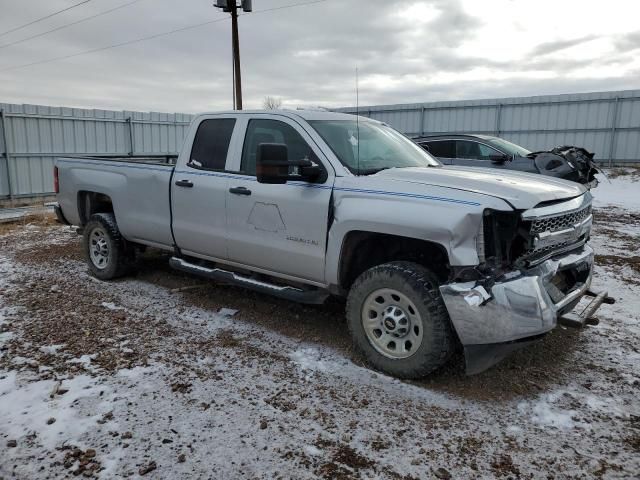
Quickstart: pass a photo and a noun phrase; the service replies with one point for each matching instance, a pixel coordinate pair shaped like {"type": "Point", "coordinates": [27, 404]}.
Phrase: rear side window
{"type": "Point", "coordinates": [441, 148]}
{"type": "Point", "coordinates": [211, 144]}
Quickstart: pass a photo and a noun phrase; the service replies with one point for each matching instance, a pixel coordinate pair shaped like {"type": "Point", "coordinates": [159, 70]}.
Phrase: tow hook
{"type": "Point", "coordinates": [579, 320]}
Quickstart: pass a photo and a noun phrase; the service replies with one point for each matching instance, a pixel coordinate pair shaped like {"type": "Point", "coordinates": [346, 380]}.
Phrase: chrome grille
{"type": "Point", "coordinates": [536, 253]}
{"type": "Point", "coordinates": [554, 223]}
{"type": "Point", "coordinates": [559, 222]}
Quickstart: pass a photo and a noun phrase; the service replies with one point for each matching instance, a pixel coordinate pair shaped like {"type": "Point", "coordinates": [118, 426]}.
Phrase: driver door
{"type": "Point", "coordinates": [280, 229]}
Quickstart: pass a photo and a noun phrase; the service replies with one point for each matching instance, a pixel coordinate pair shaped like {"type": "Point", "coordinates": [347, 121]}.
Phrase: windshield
{"type": "Point", "coordinates": [369, 147]}
{"type": "Point", "coordinates": [508, 147]}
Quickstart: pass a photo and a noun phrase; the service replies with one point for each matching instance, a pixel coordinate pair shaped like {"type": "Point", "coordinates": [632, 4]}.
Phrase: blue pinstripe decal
{"type": "Point", "coordinates": [293, 184]}
{"type": "Point", "coordinates": [410, 195]}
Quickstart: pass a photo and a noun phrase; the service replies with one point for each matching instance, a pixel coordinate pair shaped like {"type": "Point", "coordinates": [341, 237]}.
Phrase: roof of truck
{"type": "Point", "coordinates": [305, 114]}
{"type": "Point", "coordinates": [438, 136]}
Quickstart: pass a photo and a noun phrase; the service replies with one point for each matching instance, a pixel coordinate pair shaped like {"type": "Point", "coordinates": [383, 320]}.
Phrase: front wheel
{"type": "Point", "coordinates": [398, 320]}
{"type": "Point", "coordinates": [108, 254]}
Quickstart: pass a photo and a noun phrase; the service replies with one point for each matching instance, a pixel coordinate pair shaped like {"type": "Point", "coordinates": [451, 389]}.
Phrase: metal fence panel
{"type": "Point", "coordinates": [607, 123]}
{"type": "Point", "coordinates": [4, 161]}
{"type": "Point", "coordinates": [36, 134]}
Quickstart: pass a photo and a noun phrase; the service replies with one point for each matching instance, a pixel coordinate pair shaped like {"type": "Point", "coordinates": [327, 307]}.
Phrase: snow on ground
{"type": "Point", "coordinates": [159, 375]}
{"type": "Point", "coordinates": [621, 190]}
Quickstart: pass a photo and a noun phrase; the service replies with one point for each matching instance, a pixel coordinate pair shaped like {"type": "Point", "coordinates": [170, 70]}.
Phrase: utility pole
{"type": "Point", "coordinates": [232, 6]}
{"type": "Point", "coordinates": [235, 45]}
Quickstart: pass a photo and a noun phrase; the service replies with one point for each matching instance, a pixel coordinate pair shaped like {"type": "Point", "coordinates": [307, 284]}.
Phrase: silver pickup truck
{"type": "Point", "coordinates": [306, 204]}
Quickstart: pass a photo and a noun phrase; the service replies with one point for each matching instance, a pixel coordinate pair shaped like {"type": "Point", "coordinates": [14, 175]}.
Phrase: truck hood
{"type": "Point", "coordinates": [521, 190]}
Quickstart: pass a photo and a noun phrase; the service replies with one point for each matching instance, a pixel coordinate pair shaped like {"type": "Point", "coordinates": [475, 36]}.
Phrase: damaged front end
{"type": "Point", "coordinates": [567, 162]}
{"type": "Point", "coordinates": [535, 268]}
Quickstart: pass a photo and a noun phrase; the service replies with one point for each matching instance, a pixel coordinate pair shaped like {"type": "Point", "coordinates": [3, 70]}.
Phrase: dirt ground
{"type": "Point", "coordinates": [168, 376]}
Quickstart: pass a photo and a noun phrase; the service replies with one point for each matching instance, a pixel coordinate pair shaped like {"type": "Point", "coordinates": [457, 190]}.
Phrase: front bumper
{"type": "Point", "coordinates": [520, 305]}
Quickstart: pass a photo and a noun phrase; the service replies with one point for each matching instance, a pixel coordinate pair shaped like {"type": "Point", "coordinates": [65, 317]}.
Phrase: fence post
{"type": "Point", "coordinates": [422, 120]}
{"type": "Point", "coordinates": [131, 144]}
{"type": "Point", "coordinates": [498, 118]}
{"type": "Point", "coordinates": [3, 123]}
{"type": "Point", "coordinates": [614, 124]}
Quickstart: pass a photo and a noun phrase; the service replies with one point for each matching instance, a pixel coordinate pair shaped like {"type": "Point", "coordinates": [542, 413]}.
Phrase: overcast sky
{"type": "Point", "coordinates": [406, 51]}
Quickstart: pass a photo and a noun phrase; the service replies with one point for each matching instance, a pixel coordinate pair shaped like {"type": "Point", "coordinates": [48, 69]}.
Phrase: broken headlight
{"type": "Point", "coordinates": [480, 246]}
{"type": "Point", "coordinates": [505, 237]}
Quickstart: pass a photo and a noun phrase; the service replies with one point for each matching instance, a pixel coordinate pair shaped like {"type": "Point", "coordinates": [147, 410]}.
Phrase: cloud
{"type": "Point", "coordinates": [406, 51]}
{"type": "Point", "coordinates": [555, 46]}
{"type": "Point", "coordinates": [628, 42]}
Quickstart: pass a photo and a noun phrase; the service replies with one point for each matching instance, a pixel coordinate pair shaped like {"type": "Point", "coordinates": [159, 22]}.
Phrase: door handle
{"type": "Point", "coordinates": [184, 183]}
{"type": "Point", "coordinates": [240, 191]}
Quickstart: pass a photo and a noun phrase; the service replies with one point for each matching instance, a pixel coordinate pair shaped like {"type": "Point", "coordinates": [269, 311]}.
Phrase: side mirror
{"type": "Point", "coordinates": [273, 166]}
{"type": "Point", "coordinates": [499, 158]}
{"type": "Point", "coordinates": [272, 163]}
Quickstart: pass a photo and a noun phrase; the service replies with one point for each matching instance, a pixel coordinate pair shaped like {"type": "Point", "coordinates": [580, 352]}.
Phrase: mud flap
{"type": "Point", "coordinates": [59, 215]}
{"type": "Point", "coordinates": [479, 358]}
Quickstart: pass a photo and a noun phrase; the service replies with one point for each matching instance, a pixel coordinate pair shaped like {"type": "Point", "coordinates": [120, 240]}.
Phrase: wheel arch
{"type": "Point", "coordinates": [361, 250]}
{"type": "Point", "coordinates": [90, 202]}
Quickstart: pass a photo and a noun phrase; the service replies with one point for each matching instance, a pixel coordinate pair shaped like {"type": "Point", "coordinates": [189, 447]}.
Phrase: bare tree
{"type": "Point", "coordinates": [272, 103]}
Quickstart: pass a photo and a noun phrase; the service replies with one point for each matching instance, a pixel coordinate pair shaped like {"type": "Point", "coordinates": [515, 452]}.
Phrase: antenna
{"type": "Point", "coordinates": [357, 121]}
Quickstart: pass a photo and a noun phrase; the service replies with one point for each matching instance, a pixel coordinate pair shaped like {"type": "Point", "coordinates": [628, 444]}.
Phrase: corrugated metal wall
{"type": "Point", "coordinates": [31, 136]}
{"type": "Point", "coordinates": [35, 135]}
{"type": "Point", "coordinates": [607, 123]}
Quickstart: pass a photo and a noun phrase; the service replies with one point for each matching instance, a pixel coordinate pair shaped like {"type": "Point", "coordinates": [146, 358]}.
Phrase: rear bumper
{"type": "Point", "coordinates": [522, 304]}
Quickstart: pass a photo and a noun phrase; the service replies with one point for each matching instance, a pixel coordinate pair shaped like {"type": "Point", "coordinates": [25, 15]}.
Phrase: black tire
{"type": "Point", "coordinates": [420, 286]}
{"type": "Point", "coordinates": [120, 255]}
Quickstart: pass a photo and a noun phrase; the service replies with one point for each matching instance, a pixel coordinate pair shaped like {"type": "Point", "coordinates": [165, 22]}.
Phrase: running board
{"type": "Point", "coordinates": [315, 296]}
{"type": "Point", "coordinates": [586, 317]}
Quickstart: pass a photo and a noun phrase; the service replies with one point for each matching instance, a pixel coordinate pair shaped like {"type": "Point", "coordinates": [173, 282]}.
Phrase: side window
{"type": "Point", "coordinates": [211, 144]}
{"type": "Point", "coordinates": [441, 148]}
{"type": "Point", "coordinates": [487, 152]}
{"type": "Point", "coordinates": [474, 150]}
{"type": "Point", "coordinates": [272, 131]}
{"type": "Point", "coordinates": [467, 149]}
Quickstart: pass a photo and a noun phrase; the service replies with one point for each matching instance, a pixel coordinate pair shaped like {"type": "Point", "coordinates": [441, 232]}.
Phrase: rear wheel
{"type": "Point", "coordinates": [108, 254]}
{"type": "Point", "coordinates": [398, 319]}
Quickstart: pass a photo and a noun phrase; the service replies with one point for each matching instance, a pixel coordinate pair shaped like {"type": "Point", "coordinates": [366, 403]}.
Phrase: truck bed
{"type": "Point", "coordinates": [138, 187]}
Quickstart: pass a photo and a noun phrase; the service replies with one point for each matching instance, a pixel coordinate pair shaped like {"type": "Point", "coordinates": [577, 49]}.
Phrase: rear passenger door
{"type": "Point", "coordinates": [443, 150]}
{"type": "Point", "coordinates": [199, 189]}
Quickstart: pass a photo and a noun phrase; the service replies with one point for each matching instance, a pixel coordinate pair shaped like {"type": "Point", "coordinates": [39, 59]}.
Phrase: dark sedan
{"type": "Point", "coordinates": [568, 162]}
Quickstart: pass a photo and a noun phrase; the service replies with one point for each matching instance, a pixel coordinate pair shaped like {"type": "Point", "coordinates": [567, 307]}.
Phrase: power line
{"type": "Point", "coordinates": [62, 27]}
{"type": "Point", "coordinates": [283, 7]}
{"type": "Point", "coordinates": [44, 18]}
{"type": "Point", "coordinates": [115, 45]}
{"type": "Point", "coordinates": [151, 37]}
